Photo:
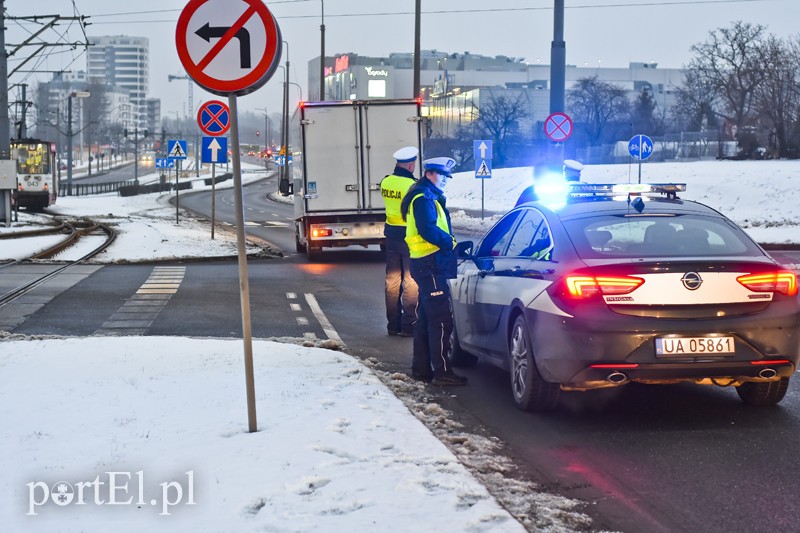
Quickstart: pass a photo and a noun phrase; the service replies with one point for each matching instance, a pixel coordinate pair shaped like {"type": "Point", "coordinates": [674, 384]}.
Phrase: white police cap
{"type": "Point", "coordinates": [571, 164]}
{"type": "Point", "coordinates": [441, 165]}
{"type": "Point", "coordinates": [406, 154]}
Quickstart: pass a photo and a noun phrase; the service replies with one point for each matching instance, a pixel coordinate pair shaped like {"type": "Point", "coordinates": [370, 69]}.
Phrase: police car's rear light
{"type": "Point", "coordinates": [321, 232]}
{"type": "Point", "coordinates": [771, 362]}
{"type": "Point", "coordinates": [782, 281]}
{"type": "Point", "coordinates": [588, 286]}
{"type": "Point", "coordinates": [623, 365]}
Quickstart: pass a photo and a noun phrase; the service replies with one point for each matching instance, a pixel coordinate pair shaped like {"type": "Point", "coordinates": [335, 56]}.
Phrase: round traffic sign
{"type": "Point", "coordinates": [228, 47]}
{"type": "Point", "coordinates": [558, 127]}
{"type": "Point", "coordinates": [214, 118]}
{"type": "Point", "coordinates": [640, 147]}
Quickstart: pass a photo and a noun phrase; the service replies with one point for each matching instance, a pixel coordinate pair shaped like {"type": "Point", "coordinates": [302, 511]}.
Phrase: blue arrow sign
{"type": "Point", "coordinates": [165, 162]}
{"type": "Point", "coordinates": [640, 147]}
{"type": "Point", "coordinates": [176, 149]}
{"type": "Point", "coordinates": [214, 150]}
{"type": "Point", "coordinates": [483, 149]}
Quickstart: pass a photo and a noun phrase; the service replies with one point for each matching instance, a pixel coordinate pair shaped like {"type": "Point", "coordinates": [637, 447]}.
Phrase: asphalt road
{"type": "Point", "coordinates": [657, 458]}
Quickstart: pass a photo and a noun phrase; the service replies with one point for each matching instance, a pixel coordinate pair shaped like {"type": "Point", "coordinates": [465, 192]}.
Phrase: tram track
{"type": "Point", "coordinates": [73, 230]}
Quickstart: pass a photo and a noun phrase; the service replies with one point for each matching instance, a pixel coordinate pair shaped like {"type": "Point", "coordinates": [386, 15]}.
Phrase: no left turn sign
{"type": "Point", "coordinates": [228, 47]}
{"type": "Point", "coordinates": [558, 127]}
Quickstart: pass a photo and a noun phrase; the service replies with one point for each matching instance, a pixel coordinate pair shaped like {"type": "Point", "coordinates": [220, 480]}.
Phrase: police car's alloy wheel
{"type": "Point", "coordinates": [763, 393]}
{"type": "Point", "coordinates": [530, 392]}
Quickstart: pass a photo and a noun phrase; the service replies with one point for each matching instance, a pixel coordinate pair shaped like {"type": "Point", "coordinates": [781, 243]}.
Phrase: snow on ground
{"type": "Point", "coordinates": [335, 450]}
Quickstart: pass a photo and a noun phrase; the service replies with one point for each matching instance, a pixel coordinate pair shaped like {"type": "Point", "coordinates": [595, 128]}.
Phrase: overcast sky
{"type": "Point", "coordinates": [607, 32]}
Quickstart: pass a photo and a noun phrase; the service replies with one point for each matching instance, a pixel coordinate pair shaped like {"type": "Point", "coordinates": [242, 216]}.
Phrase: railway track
{"type": "Point", "coordinates": [73, 231]}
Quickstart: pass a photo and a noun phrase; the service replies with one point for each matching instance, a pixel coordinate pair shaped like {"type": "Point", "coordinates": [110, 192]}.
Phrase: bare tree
{"type": "Point", "coordinates": [697, 100]}
{"type": "Point", "coordinates": [599, 108]}
{"type": "Point", "coordinates": [777, 98]}
{"type": "Point", "coordinates": [728, 65]}
{"type": "Point", "coordinates": [499, 120]}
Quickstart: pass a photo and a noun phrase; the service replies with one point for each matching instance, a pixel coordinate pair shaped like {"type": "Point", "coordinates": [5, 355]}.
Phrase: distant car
{"type": "Point", "coordinates": [625, 283]}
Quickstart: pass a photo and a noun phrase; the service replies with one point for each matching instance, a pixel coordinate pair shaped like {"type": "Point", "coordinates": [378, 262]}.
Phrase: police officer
{"type": "Point", "coordinates": [571, 171]}
{"type": "Point", "coordinates": [430, 242]}
{"type": "Point", "coordinates": [400, 287]}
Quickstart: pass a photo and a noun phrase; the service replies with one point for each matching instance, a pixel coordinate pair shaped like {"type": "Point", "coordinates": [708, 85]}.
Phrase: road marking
{"type": "Point", "coordinates": [321, 318]}
{"type": "Point", "coordinates": [291, 295]}
{"type": "Point", "coordinates": [303, 321]}
{"type": "Point", "coordinates": [139, 312]}
{"type": "Point", "coordinates": [295, 307]}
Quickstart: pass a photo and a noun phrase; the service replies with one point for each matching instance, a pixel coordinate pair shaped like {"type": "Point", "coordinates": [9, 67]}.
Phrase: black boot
{"type": "Point", "coordinates": [448, 378]}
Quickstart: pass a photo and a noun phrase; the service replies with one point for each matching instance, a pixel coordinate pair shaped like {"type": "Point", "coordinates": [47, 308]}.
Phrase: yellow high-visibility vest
{"type": "Point", "coordinates": [393, 189]}
{"type": "Point", "coordinates": [418, 246]}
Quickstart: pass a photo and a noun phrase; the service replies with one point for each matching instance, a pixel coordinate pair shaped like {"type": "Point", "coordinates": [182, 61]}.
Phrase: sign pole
{"type": "Point", "coordinates": [482, 182]}
{"type": "Point", "coordinates": [243, 279]}
{"type": "Point", "coordinates": [177, 192]}
{"type": "Point", "coordinates": [213, 197]}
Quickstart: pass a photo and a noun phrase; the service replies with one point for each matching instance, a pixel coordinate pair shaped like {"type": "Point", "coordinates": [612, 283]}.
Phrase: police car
{"type": "Point", "coordinates": [599, 285]}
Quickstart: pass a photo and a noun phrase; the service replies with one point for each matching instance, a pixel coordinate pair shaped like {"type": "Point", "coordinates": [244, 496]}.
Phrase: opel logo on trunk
{"type": "Point", "coordinates": [692, 281]}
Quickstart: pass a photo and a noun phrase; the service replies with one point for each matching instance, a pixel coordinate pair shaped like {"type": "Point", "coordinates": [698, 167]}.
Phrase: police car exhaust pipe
{"type": "Point", "coordinates": [616, 378]}
{"type": "Point", "coordinates": [768, 373]}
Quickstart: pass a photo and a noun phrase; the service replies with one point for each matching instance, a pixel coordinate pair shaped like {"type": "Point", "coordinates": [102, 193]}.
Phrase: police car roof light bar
{"type": "Point", "coordinates": [584, 190]}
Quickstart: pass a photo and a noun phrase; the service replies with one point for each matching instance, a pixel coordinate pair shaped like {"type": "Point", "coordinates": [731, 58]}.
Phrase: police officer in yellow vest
{"type": "Point", "coordinates": [400, 287]}
{"type": "Point", "coordinates": [430, 242]}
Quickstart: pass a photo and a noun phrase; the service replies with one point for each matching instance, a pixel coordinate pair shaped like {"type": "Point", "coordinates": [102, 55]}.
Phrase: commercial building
{"type": "Point", "coordinates": [454, 85]}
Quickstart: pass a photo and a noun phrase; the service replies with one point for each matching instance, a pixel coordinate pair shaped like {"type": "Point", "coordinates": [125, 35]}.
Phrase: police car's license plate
{"type": "Point", "coordinates": [694, 345]}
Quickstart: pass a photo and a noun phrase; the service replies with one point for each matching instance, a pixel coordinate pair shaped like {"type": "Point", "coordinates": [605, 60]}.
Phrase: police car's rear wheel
{"type": "Point", "coordinates": [763, 393]}
{"type": "Point", "coordinates": [530, 392]}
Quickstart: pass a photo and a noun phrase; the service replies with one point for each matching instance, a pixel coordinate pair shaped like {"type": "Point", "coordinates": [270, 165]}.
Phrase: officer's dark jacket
{"type": "Point", "coordinates": [443, 261]}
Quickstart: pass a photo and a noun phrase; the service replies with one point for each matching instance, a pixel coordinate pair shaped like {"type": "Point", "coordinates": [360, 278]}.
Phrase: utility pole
{"type": "Point", "coordinates": [558, 69]}
{"type": "Point", "coordinates": [321, 57]}
{"type": "Point", "coordinates": [417, 30]}
{"type": "Point", "coordinates": [5, 125]}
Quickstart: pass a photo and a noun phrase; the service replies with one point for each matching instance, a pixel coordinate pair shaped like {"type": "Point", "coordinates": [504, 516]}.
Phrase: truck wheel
{"type": "Point", "coordinates": [299, 246]}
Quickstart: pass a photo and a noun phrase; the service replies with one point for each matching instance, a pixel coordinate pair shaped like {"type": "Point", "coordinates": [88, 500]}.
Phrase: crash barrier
{"type": "Point", "coordinates": [220, 178]}
{"type": "Point", "coordinates": [84, 189]}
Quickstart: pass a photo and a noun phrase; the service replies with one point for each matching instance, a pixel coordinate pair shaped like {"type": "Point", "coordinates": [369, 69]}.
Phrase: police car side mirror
{"type": "Point", "coordinates": [464, 250]}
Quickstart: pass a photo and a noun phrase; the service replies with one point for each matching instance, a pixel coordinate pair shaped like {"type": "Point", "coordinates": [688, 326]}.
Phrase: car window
{"type": "Point", "coordinates": [666, 236]}
{"type": "Point", "coordinates": [495, 242]}
{"type": "Point", "coordinates": [531, 237]}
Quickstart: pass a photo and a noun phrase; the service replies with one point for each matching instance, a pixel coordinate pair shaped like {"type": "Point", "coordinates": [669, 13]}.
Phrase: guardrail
{"type": "Point", "coordinates": [85, 189]}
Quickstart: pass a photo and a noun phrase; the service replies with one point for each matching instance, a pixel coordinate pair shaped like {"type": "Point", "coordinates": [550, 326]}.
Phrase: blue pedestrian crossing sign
{"type": "Point", "coordinates": [176, 149]}
{"type": "Point", "coordinates": [214, 150]}
{"type": "Point", "coordinates": [640, 147]}
{"type": "Point", "coordinates": [483, 168]}
{"type": "Point", "coordinates": [165, 162]}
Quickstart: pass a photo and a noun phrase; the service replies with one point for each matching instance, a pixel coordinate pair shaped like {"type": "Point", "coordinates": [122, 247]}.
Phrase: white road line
{"type": "Point", "coordinates": [291, 295]}
{"type": "Point", "coordinates": [295, 307]}
{"type": "Point", "coordinates": [303, 321]}
{"type": "Point", "coordinates": [321, 318]}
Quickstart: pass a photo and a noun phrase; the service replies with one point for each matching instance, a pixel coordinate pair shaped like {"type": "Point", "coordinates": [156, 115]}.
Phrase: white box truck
{"type": "Point", "coordinates": [340, 153]}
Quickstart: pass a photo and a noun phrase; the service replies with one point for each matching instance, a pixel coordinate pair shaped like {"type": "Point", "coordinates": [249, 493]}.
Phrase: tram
{"type": "Point", "coordinates": [37, 181]}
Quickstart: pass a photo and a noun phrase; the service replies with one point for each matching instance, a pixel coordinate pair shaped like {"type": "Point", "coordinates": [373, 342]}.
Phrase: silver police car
{"type": "Point", "coordinates": [625, 283]}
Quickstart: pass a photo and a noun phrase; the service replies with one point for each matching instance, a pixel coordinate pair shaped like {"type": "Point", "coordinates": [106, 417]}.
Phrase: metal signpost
{"type": "Point", "coordinates": [177, 150]}
{"type": "Point", "coordinates": [640, 147]}
{"type": "Point", "coordinates": [214, 150]}
{"type": "Point", "coordinates": [483, 163]}
{"type": "Point", "coordinates": [232, 59]}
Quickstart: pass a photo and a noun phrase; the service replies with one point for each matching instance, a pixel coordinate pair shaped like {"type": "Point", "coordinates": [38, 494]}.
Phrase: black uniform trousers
{"type": "Point", "coordinates": [433, 327]}
{"type": "Point", "coordinates": [401, 289]}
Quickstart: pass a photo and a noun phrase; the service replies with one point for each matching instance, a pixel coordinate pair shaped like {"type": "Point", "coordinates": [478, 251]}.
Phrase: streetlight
{"type": "Point", "coordinates": [322, 55]}
{"type": "Point", "coordinates": [284, 181]}
{"type": "Point", "coordinates": [266, 132]}
{"type": "Point", "coordinates": [73, 94]}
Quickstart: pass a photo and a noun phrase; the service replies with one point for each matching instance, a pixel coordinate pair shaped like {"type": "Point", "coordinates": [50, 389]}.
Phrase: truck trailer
{"type": "Point", "coordinates": [340, 152]}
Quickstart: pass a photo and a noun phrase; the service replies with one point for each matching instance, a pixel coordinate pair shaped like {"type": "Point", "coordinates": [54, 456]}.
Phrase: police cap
{"type": "Point", "coordinates": [440, 165]}
{"type": "Point", "coordinates": [406, 154]}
